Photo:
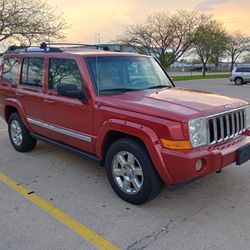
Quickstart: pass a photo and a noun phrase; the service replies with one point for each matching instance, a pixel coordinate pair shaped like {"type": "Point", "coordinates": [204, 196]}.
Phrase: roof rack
{"type": "Point", "coordinates": [81, 46]}
{"type": "Point", "coordinates": [60, 47]}
{"type": "Point", "coordinates": [24, 49]}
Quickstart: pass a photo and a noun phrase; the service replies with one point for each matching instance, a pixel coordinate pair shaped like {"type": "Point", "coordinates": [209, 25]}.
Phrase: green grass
{"type": "Point", "coordinates": [197, 77]}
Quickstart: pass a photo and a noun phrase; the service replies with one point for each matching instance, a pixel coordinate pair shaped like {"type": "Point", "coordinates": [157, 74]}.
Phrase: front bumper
{"type": "Point", "coordinates": [181, 164]}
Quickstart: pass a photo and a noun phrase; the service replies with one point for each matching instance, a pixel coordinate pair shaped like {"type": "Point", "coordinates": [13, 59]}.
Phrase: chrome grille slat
{"type": "Point", "coordinates": [241, 122]}
{"type": "Point", "coordinates": [237, 123]}
{"type": "Point", "coordinates": [226, 126]}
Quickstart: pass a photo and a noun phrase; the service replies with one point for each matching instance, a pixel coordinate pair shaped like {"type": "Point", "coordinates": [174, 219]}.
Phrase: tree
{"type": "Point", "coordinates": [164, 36]}
{"type": "Point", "coordinates": [246, 58]}
{"type": "Point", "coordinates": [238, 43]}
{"type": "Point", "coordinates": [210, 42]}
{"type": "Point", "coordinates": [28, 21]}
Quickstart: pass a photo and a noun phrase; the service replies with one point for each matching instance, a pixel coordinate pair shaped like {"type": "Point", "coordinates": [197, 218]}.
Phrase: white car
{"type": "Point", "coordinates": [240, 75]}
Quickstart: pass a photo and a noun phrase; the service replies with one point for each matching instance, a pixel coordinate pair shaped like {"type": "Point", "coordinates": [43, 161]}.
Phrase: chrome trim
{"type": "Point", "coordinates": [225, 112]}
{"type": "Point", "coordinates": [228, 124]}
{"type": "Point", "coordinates": [60, 130]}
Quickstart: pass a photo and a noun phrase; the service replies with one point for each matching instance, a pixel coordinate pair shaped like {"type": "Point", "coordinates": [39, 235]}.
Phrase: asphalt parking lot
{"type": "Point", "coordinates": [73, 206]}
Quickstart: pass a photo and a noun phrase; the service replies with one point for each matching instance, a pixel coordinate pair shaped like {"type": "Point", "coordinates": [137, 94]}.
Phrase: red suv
{"type": "Point", "coordinates": [123, 111]}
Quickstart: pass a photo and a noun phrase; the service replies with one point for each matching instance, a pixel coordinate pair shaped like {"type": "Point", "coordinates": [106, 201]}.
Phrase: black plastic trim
{"type": "Point", "coordinates": [68, 148]}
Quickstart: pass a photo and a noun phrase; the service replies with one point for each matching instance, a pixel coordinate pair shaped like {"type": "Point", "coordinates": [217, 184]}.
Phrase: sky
{"type": "Point", "coordinates": [108, 17]}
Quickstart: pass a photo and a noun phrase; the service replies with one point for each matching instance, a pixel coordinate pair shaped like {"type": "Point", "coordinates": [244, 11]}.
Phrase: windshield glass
{"type": "Point", "coordinates": [126, 73]}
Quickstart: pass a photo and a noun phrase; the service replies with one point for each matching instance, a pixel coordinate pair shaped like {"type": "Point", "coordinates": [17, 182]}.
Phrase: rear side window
{"type": "Point", "coordinates": [32, 72]}
{"type": "Point", "coordinates": [64, 71]}
{"type": "Point", "coordinates": [10, 70]}
{"type": "Point", "coordinates": [243, 70]}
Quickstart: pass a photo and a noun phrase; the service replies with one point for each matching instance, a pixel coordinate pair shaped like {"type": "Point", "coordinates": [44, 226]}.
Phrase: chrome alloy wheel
{"type": "Point", "coordinates": [127, 172]}
{"type": "Point", "coordinates": [16, 133]}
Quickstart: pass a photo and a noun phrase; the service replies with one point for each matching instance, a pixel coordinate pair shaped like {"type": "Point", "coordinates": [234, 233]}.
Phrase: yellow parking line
{"type": "Point", "coordinates": [67, 220]}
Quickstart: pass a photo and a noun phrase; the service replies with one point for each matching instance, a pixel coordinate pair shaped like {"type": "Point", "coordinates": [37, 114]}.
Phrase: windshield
{"type": "Point", "coordinates": [126, 73]}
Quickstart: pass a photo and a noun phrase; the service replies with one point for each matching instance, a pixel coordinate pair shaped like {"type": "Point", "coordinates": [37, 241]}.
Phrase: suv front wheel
{"type": "Point", "coordinates": [131, 173]}
{"type": "Point", "coordinates": [19, 136]}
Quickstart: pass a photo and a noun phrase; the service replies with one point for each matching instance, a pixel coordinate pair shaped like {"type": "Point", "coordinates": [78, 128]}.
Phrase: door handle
{"type": "Point", "coordinates": [49, 101]}
{"type": "Point", "coordinates": [20, 94]}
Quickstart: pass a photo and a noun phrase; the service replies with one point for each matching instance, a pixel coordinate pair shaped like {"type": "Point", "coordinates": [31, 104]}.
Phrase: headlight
{"type": "Point", "coordinates": [198, 132]}
{"type": "Point", "coordinates": [247, 117]}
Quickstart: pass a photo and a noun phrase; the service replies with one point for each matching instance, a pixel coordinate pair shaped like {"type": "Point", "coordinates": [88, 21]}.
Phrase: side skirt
{"type": "Point", "coordinates": [68, 148]}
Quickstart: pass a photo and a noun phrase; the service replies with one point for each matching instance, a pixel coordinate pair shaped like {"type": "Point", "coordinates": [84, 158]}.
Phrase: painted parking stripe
{"type": "Point", "coordinates": [3, 130]}
{"type": "Point", "coordinates": [86, 233]}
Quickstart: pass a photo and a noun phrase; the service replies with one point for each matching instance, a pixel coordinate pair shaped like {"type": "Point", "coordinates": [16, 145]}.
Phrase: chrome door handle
{"type": "Point", "coordinates": [49, 101]}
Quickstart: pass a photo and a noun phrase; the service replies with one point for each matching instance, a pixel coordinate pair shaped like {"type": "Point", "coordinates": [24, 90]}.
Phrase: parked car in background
{"type": "Point", "coordinates": [240, 75]}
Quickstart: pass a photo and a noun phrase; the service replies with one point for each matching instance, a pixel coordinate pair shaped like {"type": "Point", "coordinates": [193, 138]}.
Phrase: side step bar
{"type": "Point", "coordinates": [68, 148]}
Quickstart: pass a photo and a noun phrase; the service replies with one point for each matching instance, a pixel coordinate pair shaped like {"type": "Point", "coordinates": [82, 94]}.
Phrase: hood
{"type": "Point", "coordinates": [176, 104]}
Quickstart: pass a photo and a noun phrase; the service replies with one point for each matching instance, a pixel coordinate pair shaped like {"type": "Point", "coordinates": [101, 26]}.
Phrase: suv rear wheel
{"type": "Point", "coordinates": [19, 136]}
{"type": "Point", "coordinates": [131, 173]}
{"type": "Point", "coordinates": [238, 81]}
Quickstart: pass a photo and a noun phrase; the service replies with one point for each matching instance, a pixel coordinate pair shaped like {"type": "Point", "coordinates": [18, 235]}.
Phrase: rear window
{"type": "Point", "coordinates": [32, 72]}
{"type": "Point", "coordinates": [10, 70]}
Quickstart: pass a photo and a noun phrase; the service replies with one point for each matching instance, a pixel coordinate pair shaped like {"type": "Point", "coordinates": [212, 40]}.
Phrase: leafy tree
{"type": "Point", "coordinates": [238, 43]}
{"type": "Point", "coordinates": [210, 42]}
{"type": "Point", "coordinates": [163, 35]}
{"type": "Point", "coordinates": [28, 21]}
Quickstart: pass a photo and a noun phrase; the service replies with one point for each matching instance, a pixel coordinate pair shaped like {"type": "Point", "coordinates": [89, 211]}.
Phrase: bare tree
{"type": "Point", "coordinates": [28, 21]}
{"type": "Point", "coordinates": [163, 35]}
{"type": "Point", "coordinates": [246, 58]}
{"type": "Point", "coordinates": [210, 42]}
{"type": "Point", "coordinates": [238, 43]}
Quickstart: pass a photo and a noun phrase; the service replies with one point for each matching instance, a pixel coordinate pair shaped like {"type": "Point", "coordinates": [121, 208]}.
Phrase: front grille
{"type": "Point", "coordinates": [226, 126]}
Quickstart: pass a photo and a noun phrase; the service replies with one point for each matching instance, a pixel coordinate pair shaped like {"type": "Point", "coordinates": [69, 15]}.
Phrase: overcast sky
{"type": "Point", "coordinates": [107, 17]}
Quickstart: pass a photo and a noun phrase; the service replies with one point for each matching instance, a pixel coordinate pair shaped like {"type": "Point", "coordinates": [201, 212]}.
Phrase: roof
{"type": "Point", "coordinates": [90, 53]}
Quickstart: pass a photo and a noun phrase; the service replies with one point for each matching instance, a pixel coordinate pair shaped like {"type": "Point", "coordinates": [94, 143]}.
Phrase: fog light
{"type": "Point", "coordinates": [198, 165]}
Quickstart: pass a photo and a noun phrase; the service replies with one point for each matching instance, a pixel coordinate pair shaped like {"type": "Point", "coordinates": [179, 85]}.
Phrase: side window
{"type": "Point", "coordinates": [32, 72]}
{"type": "Point", "coordinates": [10, 70]}
{"type": "Point", "coordinates": [64, 71]}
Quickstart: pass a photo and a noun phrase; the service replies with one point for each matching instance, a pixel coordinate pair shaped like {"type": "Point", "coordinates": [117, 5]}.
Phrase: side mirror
{"type": "Point", "coordinates": [71, 90]}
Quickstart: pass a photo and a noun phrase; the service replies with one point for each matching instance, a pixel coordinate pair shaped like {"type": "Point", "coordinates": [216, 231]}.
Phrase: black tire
{"type": "Point", "coordinates": [152, 183]}
{"type": "Point", "coordinates": [238, 81]}
{"type": "Point", "coordinates": [27, 143]}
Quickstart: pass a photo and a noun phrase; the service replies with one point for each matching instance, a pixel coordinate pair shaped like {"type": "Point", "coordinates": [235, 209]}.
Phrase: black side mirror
{"type": "Point", "coordinates": [71, 90]}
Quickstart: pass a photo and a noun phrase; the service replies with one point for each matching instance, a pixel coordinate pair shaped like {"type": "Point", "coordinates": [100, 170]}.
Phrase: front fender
{"type": "Point", "coordinates": [146, 134]}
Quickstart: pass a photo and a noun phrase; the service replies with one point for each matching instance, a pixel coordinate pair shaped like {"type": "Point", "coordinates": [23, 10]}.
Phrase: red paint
{"type": "Point", "coordinates": [148, 115]}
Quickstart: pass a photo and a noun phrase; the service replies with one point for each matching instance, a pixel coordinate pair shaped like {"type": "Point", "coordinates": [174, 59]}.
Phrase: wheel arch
{"type": "Point", "coordinates": [11, 106]}
{"type": "Point", "coordinates": [115, 129]}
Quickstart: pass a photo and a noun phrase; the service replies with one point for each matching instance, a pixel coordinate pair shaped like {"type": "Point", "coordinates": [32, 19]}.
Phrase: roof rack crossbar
{"type": "Point", "coordinates": [24, 49]}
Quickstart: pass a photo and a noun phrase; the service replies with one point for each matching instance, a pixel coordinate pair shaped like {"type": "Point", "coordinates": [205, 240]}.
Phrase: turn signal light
{"type": "Point", "coordinates": [177, 145]}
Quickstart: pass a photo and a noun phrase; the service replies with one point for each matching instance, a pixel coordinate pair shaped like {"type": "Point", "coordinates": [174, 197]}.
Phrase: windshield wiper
{"type": "Point", "coordinates": [118, 90]}
{"type": "Point", "coordinates": [158, 87]}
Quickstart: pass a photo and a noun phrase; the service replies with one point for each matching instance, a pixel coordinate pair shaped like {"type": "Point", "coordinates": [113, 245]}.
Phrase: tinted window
{"type": "Point", "coordinates": [10, 70]}
{"type": "Point", "coordinates": [64, 71]}
{"type": "Point", "coordinates": [32, 72]}
{"type": "Point", "coordinates": [239, 70]}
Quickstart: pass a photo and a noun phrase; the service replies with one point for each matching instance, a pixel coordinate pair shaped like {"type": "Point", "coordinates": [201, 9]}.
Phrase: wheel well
{"type": "Point", "coordinates": [238, 77]}
{"type": "Point", "coordinates": [113, 136]}
{"type": "Point", "coordinates": [8, 111]}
